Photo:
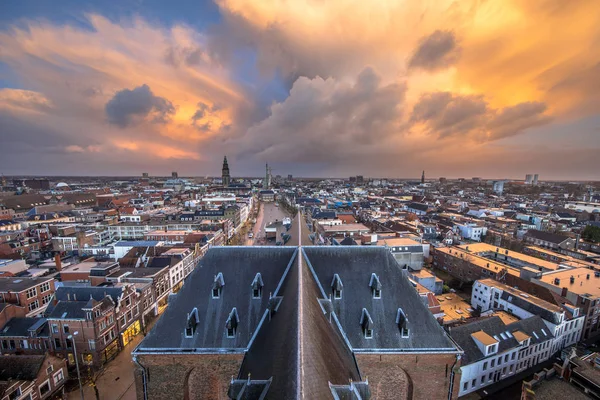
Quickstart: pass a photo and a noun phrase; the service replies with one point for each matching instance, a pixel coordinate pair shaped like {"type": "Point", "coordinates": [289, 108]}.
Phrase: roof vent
{"type": "Point", "coordinates": [587, 276]}
{"type": "Point", "coordinates": [572, 279]}
{"type": "Point", "coordinates": [218, 286]}
{"type": "Point", "coordinates": [257, 285]}
{"type": "Point", "coordinates": [556, 281]}
{"type": "Point", "coordinates": [192, 322]}
{"type": "Point", "coordinates": [375, 286]}
{"type": "Point", "coordinates": [232, 323]}
{"type": "Point", "coordinates": [337, 286]}
{"type": "Point", "coordinates": [366, 324]}
{"type": "Point", "coordinates": [402, 322]}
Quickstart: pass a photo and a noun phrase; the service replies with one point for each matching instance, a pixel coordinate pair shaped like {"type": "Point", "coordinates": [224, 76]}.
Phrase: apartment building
{"type": "Point", "coordinates": [581, 286]}
{"type": "Point", "coordinates": [100, 321]}
{"type": "Point", "coordinates": [494, 351]}
{"type": "Point", "coordinates": [565, 323]}
{"type": "Point", "coordinates": [32, 293]}
{"type": "Point", "coordinates": [32, 377]}
{"type": "Point", "coordinates": [25, 335]}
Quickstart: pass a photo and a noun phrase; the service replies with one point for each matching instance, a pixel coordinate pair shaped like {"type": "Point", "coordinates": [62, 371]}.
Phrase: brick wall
{"type": "Point", "coordinates": [188, 376]}
{"type": "Point", "coordinates": [408, 376]}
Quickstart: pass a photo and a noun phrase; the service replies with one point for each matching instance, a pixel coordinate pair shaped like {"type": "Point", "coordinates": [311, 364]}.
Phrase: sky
{"type": "Point", "coordinates": [458, 88]}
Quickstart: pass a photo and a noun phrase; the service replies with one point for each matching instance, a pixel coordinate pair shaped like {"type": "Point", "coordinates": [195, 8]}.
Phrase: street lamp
{"type": "Point", "coordinates": [72, 339]}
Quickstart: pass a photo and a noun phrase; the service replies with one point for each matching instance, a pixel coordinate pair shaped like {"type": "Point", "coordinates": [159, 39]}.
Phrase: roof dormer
{"type": "Point", "coordinates": [232, 322]}
{"type": "Point", "coordinates": [402, 322]}
{"type": "Point", "coordinates": [217, 287]}
{"type": "Point", "coordinates": [366, 324]}
{"type": "Point", "coordinates": [257, 285]}
{"type": "Point", "coordinates": [337, 286]}
{"type": "Point", "coordinates": [375, 286]}
{"type": "Point", "coordinates": [487, 344]}
{"type": "Point", "coordinates": [192, 322]}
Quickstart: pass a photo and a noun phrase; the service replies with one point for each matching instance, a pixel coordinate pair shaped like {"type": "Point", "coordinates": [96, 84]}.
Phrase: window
{"type": "Point", "coordinates": [16, 394]}
{"type": "Point", "coordinates": [57, 344]}
{"type": "Point", "coordinates": [69, 343]}
{"type": "Point", "coordinates": [33, 305]}
{"type": "Point", "coordinates": [46, 299]}
{"type": "Point", "coordinates": [376, 294]}
{"type": "Point", "coordinates": [45, 287]}
{"type": "Point", "coordinates": [230, 332]}
{"type": "Point", "coordinates": [92, 344]}
{"type": "Point", "coordinates": [485, 365]}
{"type": "Point", "coordinates": [513, 356]}
{"type": "Point", "coordinates": [31, 292]}
{"type": "Point", "coordinates": [49, 369]}
{"type": "Point", "coordinates": [405, 332]}
{"type": "Point", "coordinates": [466, 386]}
{"type": "Point", "coordinates": [474, 382]}
{"type": "Point", "coordinates": [256, 293]}
{"type": "Point", "coordinates": [493, 363]}
{"type": "Point", "coordinates": [45, 388]}
{"type": "Point", "coordinates": [482, 380]}
{"type": "Point", "coordinates": [58, 377]}
{"type": "Point", "coordinates": [111, 319]}
{"type": "Point", "coordinates": [66, 328]}
{"type": "Point", "coordinates": [216, 293]}
{"type": "Point", "coordinates": [337, 294]}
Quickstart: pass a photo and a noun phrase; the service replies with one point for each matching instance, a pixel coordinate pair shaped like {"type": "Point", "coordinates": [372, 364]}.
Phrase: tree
{"type": "Point", "coordinates": [591, 234]}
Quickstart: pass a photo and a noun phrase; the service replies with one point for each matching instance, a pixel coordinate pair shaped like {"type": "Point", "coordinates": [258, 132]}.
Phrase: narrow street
{"type": "Point", "coordinates": [116, 381]}
{"type": "Point", "coordinates": [267, 214]}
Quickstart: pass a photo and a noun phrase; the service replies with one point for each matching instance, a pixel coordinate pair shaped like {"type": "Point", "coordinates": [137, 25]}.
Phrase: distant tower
{"type": "Point", "coordinates": [423, 177]}
{"type": "Point", "coordinates": [528, 179]}
{"type": "Point", "coordinates": [225, 173]}
{"type": "Point", "coordinates": [535, 179]}
{"type": "Point", "coordinates": [267, 181]}
{"type": "Point", "coordinates": [174, 175]}
{"type": "Point", "coordinates": [3, 180]}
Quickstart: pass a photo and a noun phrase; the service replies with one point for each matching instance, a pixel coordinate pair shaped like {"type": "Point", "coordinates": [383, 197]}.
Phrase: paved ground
{"type": "Point", "coordinates": [267, 214]}
{"type": "Point", "coordinates": [116, 381]}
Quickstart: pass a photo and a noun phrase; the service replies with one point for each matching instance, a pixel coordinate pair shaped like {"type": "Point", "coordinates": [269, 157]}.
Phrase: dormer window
{"type": "Point", "coordinates": [402, 322]}
{"type": "Point", "coordinates": [337, 287]}
{"type": "Point", "coordinates": [192, 322]}
{"type": "Point", "coordinates": [257, 285]}
{"type": "Point", "coordinates": [218, 284]}
{"type": "Point", "coordinates": [366, 324]}
{"type": "Point", "coordinates": [232, 323]}
{"type": "Point", "coordinates": [375, 286]}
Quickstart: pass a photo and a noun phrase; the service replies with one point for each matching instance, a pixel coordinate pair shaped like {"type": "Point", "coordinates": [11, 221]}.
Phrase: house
{"type": "Point", "coordinates": [31, 377]}
{"type": "Point", "coordinates": [548, 240]}
{"type": "Point", "coordinates": [566, 323]}
{"type": "Point", "coordinates": [32, 293]}
{"type": "Point", "coordinates": [494, 351]}
{"type": "Point", "coordinates": [417, 208]}
{"type": "Point", "coordinates": [25, 335]}
{"type": "Point", "coordinates": [297, 322]}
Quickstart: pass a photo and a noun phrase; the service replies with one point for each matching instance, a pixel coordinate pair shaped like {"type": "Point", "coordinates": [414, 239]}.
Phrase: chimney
{"type": "Point", "coordinates": [58, 262]}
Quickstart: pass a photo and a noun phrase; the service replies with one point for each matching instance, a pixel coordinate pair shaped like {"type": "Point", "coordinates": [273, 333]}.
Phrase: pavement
{"type": "Point", "coordinates": [267, 214]}
{"type": "Point", "coordinates": [116, 381]}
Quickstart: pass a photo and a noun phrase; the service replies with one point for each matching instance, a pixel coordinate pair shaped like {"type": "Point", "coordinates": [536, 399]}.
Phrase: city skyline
{"type": "Point", "coordinates": [315, 89]}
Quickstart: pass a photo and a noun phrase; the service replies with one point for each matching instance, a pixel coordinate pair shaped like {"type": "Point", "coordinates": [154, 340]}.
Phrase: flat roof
{"type": "Point", "coordinates": [484, 338]}
{"type": "Point", "coordinates": [581, 285]}
{"type": "Point", "coordinates": [394, 241]}
{"type": "Point", "coordinates": [485, 247]}
{"type": "Point", "coordinates": [520, 336]}
{"type": "Point", "coordinates": [346, 227]}
{"type": "Point", "coordinates": [479, 261]}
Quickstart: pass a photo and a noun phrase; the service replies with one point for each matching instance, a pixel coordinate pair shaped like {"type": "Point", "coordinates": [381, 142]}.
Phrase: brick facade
{"type": "Point", "coordinates": [409, 376]}
{"type": "Point", "coordinates": [189, 377]}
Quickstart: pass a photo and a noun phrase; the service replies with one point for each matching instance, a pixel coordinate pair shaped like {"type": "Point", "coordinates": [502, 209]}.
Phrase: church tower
{"type": "Point", "coordinates": [225, 173]}
{"type": "Point", "coordinates": [423, 177]}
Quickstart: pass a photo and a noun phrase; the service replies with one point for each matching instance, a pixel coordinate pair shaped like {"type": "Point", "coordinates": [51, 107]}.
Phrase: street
{"type": "Point", "coordinates": [267, 214]}
{"type": "Point", "coordinates": [116, 381]}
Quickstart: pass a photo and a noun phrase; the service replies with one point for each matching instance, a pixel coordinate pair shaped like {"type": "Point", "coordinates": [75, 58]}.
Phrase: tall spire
{"type": "Point", "coordinates": [423, 177]}
{"type": "Point", "coordinates": [226, 178]}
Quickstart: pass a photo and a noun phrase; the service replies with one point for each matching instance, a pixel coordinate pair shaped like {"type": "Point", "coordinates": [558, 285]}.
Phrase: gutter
{"type": "Point", "coordinates": [144, 376]}
{"type": "Point", "coordinates": [452, 373]}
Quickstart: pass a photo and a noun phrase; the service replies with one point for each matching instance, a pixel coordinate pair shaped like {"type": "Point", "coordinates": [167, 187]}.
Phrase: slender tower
{"type": "Point", "coordinates": [423, 177]}
{"type": "Point", "coordinates": [267, 182]}
{"type": "Point", "coordinates": [225, 173]}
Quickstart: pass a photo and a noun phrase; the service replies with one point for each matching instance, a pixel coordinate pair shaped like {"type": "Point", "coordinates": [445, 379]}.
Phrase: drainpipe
{"type": "Point", "coordinates": [452, 373]}
{"type": "Point", "coordinates": [144, 378]}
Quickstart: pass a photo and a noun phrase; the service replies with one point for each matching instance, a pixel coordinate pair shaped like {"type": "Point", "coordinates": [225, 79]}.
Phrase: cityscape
{"type": "Point", "coordinates": [300, 199]}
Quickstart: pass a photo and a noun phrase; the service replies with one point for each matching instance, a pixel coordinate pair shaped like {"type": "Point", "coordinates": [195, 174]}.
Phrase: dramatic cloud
{"type": "Point", "coordinates": [315, 87]}
{"type": "Point", "coordinates": [325, 121]}
{"type": "Point", "coordinates": [445, 114]}
{"type": "Point", "coordinates": [128, 105]}
{"type": "Point", "coordinates": [436, 51]}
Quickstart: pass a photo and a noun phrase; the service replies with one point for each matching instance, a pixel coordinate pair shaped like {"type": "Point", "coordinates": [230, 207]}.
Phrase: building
{"type": "Point", "coordinates": [33, 294]}
{"type": "Point", "coordinates": [565, 323]}
{"type": "Point", "coordinates": [472, 231]}
{"type": "Point", "coordinates": [528, 179]}
{"type": "Point", "coordinates": [106, 319]}
{"type": "Point", "coordinates": [31, 377]}
{"type": "Point", "coordinates": [314, 323]}
{"type": "Point", "coordinates": [494, 351]}
{"type": "Point", "coordinates": [24, 335]}
{"type": "Point", "coordinates": [581, 286]}
{"type": "Point", "coordinates": [498, 187]}
{"type": "Point", "coordinates": [417, 208]}
{"type": "Point", "coordinates": [408, 252]}
{"type": "Point", "coordinates": [174, 175]}
{"type": "Point", "coordinates": [225, 176]}
{"type": "Point", "coordinates": [549, 240]}
{"type": "Point", "coordinates": [267, 195]}
{"type": "Point", "coordinates": [535, 179]}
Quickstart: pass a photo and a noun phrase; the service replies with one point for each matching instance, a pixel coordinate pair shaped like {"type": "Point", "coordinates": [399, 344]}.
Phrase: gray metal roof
{"type": "Point", "coordinates": [355, 265]}
{"type": "Point", "coordinates": [238, 266]}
